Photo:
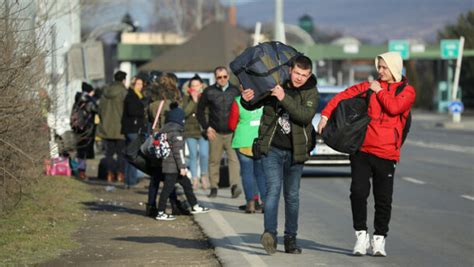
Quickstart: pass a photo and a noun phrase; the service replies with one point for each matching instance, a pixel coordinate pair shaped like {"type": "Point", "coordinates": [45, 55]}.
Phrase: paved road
{"type": "Point", "coordinates": [432, 220]}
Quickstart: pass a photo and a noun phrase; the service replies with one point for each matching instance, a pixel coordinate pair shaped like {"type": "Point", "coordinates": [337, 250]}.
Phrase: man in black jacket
{"type": "Point", "coordinates": [218, 99]}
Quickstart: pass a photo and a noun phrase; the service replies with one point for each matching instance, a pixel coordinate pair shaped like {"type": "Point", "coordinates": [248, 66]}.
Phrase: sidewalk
{"type": "Point", "coordinates": [444, 120]}
{"type": "Point", "coordinates": [116, 233]}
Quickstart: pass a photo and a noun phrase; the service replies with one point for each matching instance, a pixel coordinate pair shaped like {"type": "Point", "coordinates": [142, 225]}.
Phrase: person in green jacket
{"type": "Point", "coordinates": [198, 145]}
{"type": "Point", "coordinates": [285, 136]}
{"type": "Point", "coordinates": [110, 126]}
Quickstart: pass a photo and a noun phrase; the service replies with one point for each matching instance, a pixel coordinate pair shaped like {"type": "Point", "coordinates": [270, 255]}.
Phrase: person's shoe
{"type": "Point", "coordinates": [110, 177]}
{"type": "Point", "coordinates": [162, 216]}
{"type": "Point", "coordinates": [213, 193]}
{"type": "Point", "coordinates": [235, 191]}
{"type": "Point", "coordinates": [362, 243]}
{"type": "Point", "coordinates": [378, 246]}
{"type": "Point", "coordinates": [204, 182]}
{"type": "Point", "coordinates": [151, 211]}
{"type": "Point", "coordinates": [269, 242]}
{"type": "Point", "coordinates": [195, 183]}
{"type": "Point", "coordinates": [120, 177]}
{"type": "Point", "coordinates": [199, 209]}
{"type": "Point", "coordinates": [82, 175]}
{"type": "Point", "coordinates": [291, 246]}
{"type": "Point", "coordinates": [243, 207]}
{"type": "Point", "coordinates": [250, 208]}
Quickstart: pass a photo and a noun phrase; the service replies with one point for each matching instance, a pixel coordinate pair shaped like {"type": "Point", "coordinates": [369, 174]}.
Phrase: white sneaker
{"type": "Point", "coordinates": [362, 243]}
{"type": "Point", "coordinates": [199, 209]}
{"type": "Point", "coordinates": [378, 246]}
{"type": "Point", "coordinates": [165, 217]}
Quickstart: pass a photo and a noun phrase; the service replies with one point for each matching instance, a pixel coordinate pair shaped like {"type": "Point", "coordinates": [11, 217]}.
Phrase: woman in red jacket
{"type": "Point", "coordinates": [380, 150]}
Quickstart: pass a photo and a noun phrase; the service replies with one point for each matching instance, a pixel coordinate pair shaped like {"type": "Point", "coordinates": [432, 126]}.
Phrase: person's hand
{"type": "Point", "coordinates": [278, 92]}
{"type": "Point", "coordinates": [248, 94]}
{"type": "Point", "coordinates": [322, 123]}
{"type": "Point", "coordinates": [182, 172]}
{"type": "Point", "coordinates": [375, 86]}
{"type": "Point", "coordinates": [195, 95]}
{"type": "Point", "coordinates": [211, 133]}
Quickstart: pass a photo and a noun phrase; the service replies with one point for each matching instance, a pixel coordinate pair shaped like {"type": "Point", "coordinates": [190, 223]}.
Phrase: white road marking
{"type": "Point", "coordinates": [232, 237]}
{"type": "Point", "coordinates": [446, 147]}
{"type": "Point", "coordinates": [413, 180]}
{"type": "Point", "coordinates": [468, 197]}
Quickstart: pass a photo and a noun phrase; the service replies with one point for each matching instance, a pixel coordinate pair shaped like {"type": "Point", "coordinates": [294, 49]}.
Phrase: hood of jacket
{"type": "Point", "coordinates": [114, 90]}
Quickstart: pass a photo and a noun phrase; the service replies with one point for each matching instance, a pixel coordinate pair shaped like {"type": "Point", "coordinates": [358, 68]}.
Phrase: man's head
{"type": "Point", "coordinates": [86, 88]}
{"type": "Point", "coordinates": [389, 66]}
{"type": "Point", "coordinates": [120, 76]}
{"type": "Point", "coordinates": [300, 70]}
{"type": "Point", "coordinates": [221, 75]}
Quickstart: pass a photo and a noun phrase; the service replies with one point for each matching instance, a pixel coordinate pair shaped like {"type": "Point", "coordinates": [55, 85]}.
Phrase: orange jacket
{"type": "Point", "coordinates": [384, 133]}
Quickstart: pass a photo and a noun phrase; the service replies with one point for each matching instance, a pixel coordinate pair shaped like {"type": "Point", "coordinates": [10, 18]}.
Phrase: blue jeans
{"type": "Point", "coordinates": [198, 147]}
{"type": "Point", "coordinates": [279, 168]}
{"type": "Point", "coordinates": [253, 177]}
{"type": "Point", "coordinates": [131, 177]}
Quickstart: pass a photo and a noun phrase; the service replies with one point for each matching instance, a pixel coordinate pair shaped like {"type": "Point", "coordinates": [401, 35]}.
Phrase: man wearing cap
{"type": "Point", "coordinates": [380, 150]}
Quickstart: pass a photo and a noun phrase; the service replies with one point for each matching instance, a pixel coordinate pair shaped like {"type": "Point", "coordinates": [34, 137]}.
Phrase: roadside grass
{"type": "Point", "coordinates": [41, 227]}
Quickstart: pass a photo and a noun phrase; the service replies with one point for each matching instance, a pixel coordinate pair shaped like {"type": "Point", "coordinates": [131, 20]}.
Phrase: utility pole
{"type": "Point", "coordinates": [279, 28]}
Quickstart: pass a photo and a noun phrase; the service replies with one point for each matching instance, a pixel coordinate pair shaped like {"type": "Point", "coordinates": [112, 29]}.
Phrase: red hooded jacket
{"type": "Point", "coordinates": [384, 133]}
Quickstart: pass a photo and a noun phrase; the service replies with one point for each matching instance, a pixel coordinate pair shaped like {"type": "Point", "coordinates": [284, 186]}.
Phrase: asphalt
{"type": "Point", "coordinates": [215, 247]}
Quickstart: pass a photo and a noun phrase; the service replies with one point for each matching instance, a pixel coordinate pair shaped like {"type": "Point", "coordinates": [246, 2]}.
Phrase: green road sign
{"type": "Point", "coordinates": [401, 46]}
{"type": "Point", "coordinates": [449, 48]}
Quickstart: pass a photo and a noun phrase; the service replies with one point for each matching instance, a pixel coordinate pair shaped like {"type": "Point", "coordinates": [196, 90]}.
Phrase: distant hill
{"type": "Point", "coordinates": [374, 20]}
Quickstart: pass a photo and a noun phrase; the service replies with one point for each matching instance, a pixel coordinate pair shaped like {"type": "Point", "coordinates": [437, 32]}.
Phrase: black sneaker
{"type": "Point", "coordinates": [213, 193]}
{"type": "Point", "coordinates": [151, 211]}
{"type": "Point", "coordinates": [269, 242]}
{"type": "Point", "coordinates": [291, 246]}
{"type": "Point", "coordinates": [235, 191]}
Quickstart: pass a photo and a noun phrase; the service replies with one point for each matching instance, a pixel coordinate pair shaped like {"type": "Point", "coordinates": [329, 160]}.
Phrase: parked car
{"type": "Point", "coordinates": [322, 154]}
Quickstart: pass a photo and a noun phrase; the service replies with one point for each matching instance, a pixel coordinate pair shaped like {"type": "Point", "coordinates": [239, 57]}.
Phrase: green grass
{"type": "Point", "coordinates": [40, 228]}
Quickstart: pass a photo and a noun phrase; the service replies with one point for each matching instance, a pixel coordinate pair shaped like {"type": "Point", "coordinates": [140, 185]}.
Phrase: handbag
{"type": "Point", "coordinates": [257, 142]}
{"type": "Point", "coordinates": [134, 154]}
{"type": "Point", "coordinates": [346, 128]}
{"type": "Point", "coordinates": [58, 166]}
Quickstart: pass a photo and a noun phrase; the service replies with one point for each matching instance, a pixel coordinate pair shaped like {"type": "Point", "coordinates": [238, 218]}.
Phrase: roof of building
{"type": "Point", "coordinates": [217, 44]}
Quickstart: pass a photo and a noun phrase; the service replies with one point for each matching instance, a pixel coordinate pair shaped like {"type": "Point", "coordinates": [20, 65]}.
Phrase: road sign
{"type": "Point", "coordinates": [401, 46]}
{"type": "Point", "coordinates": [449, 48]}
{"type": "Point", "coordinates": [456, 106]}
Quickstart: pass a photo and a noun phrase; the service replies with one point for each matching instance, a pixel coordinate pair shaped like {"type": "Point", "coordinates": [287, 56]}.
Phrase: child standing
{"type": "Point", "coordinates": [174, 166]}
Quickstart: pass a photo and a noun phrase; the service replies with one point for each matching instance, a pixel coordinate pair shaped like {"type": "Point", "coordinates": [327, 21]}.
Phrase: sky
{"type": "Point", "coordinates": [373, 20]}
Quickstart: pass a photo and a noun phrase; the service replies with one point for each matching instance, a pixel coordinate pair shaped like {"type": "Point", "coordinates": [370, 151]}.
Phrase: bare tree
{"type": "Point", "coordinates": [23, 98]}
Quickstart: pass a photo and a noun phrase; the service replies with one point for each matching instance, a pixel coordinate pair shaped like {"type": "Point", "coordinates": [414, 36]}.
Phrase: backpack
{"type": "Point", "coordinates": [263, 66]}
{"type": "Point", "coordinates": [406, 127]}
{"type": "Point", "coordinates": [79, 117]}
{"type": "Point", "coordinates": [160, 146]}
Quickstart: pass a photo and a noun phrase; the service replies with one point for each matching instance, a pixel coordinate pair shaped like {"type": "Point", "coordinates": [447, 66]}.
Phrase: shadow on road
{"type": "Point", "coordinates": [327, 172]}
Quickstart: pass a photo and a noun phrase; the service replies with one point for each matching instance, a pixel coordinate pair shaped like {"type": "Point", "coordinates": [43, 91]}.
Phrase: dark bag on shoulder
{"type": "Point", "coordinates": [346, 128]}
{"type": "Point", "coordinates": [263, 66]}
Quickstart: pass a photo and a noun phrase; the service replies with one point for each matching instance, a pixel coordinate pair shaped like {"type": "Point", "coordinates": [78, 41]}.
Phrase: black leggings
{"type": "Point", "coordinates": [363, 167]}
{"type": "Point", "coordinates": [168, 188]}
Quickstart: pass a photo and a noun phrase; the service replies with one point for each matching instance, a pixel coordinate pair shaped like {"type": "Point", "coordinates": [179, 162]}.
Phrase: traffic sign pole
{"type": "Point", "coordinates": [457, 115]}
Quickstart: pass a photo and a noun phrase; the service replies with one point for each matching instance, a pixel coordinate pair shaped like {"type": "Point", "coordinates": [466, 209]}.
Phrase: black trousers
{"type": "Point", "coordinates": [363, 167]}
{"type": "Point", "coordinates": [168, 188]}
{"type": "Point", "coordinates": [114, 147]}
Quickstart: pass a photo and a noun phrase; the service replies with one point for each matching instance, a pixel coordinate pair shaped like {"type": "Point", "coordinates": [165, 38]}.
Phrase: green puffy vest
{"type": "Point", "coordinates": [247, 127]}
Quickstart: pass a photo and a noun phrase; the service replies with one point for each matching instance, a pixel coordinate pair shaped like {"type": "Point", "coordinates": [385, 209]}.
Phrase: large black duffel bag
{"type": "Point", "coordinates": [135, 156]}
{"type": "Point", "coordinates": [346, 128]}
{"type": "Point", "coordinates": [263, 66]}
